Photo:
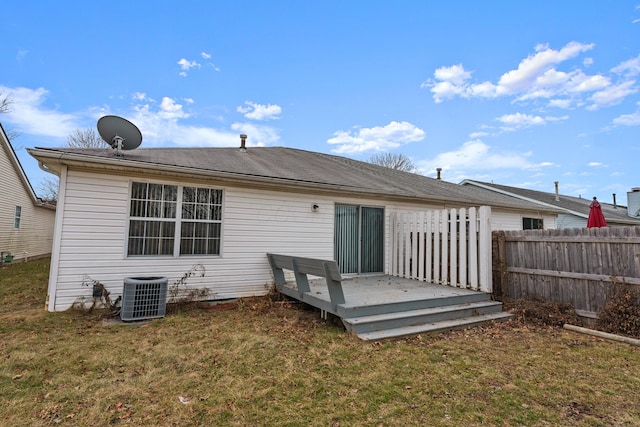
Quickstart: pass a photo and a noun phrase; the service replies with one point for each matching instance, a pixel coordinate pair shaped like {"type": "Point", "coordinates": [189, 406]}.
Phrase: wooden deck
{"type": "Point", "coordinates": [382, 306]}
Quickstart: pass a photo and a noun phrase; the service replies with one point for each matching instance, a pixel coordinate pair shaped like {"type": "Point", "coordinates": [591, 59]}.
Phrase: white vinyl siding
{"type": "Point", "coordinates": [512, 220]}
{"type": "Point", "coordinates": [571, 221]}
{"type": "Point", "coordinates": [94, 236]}
{"type": "Point", "coordinates": [34, 236]}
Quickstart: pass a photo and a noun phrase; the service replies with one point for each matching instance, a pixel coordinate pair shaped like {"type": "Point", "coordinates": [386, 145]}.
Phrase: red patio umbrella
{"type": "Point", "coordinates": [596, 218]}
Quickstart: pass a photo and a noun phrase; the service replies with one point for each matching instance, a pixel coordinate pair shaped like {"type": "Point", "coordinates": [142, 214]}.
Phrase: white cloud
{"type": "Point", "coordinates": [546, 164]}
{"type": "Point", "coordinates": [629, 68]}
{"type": "Point", "coordinates": [595, 165]}
{"type": "Point", "coordinates": [632, 119]}
{"type": "Point", "coordinates": [455, 74]}
{"type": "Point", "coordinates": [186, 65]}
{"type": "Point", "coordinates": [162, 124]}
{"type": "Point", "coordinates": [483, 90]}
{"type": "Point", "coordinates": [517, 121]}
{"type": "Point", "coordinates": [480, 134]}
{"type": "Point", "coordinates": [535, 77]}
{"type": "Point", "coordinates": [529, 69]}
{"type": "Point", "coordinates": [256, 111]}
{"type": "Point", "coordinates": [561, 103]}
{"type": "Point", "coordinates": [379, 138]}
{"type": "Point", "coordinates": [30, 116]}
{"type": "Point", "coordinates": [445, 90]}
{"type": "Point", "coordinates": [612, 95]}
{"type": "Point", "coordinates": [452, 82]}
{"type": "Point", "coordinates": [22, 53]}
{"type": "Point", "coordinates": [206, 55]}
{"type": "Point", "coordinates": [476, 155]}
{"type": "Point", "coordinates": [139, 96]}
{"type": "Point", "coordinates": [587, 62]}
{"type": "Point", "coordinates": [165, 124]}
{"type": "Point", "coordinates": [258, 135]}
{"type": "Point", "coordinates": [581, 82]}
{"type": "Point", "coordinates": [171, 110]}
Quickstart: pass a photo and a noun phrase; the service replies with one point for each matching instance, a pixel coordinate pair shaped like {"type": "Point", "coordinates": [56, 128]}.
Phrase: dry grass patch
{"type": "Point", "coordinates": [266, 363]}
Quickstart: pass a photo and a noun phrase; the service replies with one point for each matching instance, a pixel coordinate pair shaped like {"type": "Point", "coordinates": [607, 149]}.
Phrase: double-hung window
{"type": "Point", "coordinates": [173, 220]}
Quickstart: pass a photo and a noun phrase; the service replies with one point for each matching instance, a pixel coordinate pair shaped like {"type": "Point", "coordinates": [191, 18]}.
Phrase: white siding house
{"type": "Point", "coordinates": [26, 222]}
{"type": "Point", "coordinates": [572, 212]}
{"type": "Point", "coordinates": [273, 200]}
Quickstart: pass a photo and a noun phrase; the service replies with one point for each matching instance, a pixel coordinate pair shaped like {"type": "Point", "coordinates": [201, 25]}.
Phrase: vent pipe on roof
{"type": "Point", "coordinates": [243, 143]}
{"type": "Point", "coordinates": [615, 205]}
{"type": "Point", "coordinates": [557, 192]}
{"type": "Point", "coordinates": [438, 170]}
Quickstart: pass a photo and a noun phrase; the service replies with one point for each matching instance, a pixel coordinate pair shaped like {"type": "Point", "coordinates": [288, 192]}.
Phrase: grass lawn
{"type": "Point", "coordinates": [269, 363]}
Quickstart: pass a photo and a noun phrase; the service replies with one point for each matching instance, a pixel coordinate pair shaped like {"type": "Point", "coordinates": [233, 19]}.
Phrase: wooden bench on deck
{"type": "Point", "coordinates": [301, 267]}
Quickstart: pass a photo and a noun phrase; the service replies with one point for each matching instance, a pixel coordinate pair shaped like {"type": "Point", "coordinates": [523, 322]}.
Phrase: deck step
{"type": "Point", "coordinates": [367, 309]}
{"type": "Point", "coordinates": [445, 325]}
{"type": "Point", "coordinates": [422, 316]}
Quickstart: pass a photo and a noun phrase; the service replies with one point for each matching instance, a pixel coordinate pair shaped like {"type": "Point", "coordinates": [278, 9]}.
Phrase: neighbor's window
{"type": "Point", "coordinates": [532, 224]}
{"type": "Point", "coordinates": [17, 217]}
{"type": "Point", "coordinates": [158, 213]}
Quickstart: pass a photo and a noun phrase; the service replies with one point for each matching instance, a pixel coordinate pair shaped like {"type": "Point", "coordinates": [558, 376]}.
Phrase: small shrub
{"type": "Point", "coordinates": [540, 312]}
{"type": "Point", "coordinates": [621, 313]}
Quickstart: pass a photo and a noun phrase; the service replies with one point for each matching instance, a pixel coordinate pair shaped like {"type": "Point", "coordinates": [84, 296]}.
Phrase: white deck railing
{"type": "Point", "coordinates": [452, 247]}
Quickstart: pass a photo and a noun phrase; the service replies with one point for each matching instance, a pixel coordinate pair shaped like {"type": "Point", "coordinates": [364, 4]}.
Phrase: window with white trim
{"type": "Point", "coordinates": [160, 212]}
{"type": "Point", "coordinates": [17, 217]}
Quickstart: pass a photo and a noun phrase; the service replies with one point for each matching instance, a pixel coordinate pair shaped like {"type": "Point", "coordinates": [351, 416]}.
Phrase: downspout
{"type": "Point", "coordinates": [55, 245]}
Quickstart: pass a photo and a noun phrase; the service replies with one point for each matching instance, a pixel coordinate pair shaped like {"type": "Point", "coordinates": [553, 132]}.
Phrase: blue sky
{"type": "Point", "coordinates": [520, 93]}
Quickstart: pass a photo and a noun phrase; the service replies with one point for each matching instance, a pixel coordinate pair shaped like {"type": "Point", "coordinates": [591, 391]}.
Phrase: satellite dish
{"type": "Point", "coordinates": [119, 133]}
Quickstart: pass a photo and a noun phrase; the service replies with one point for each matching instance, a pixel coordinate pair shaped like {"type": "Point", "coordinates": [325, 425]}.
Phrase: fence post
{"type": "Point", "coordinates": [484, 250]}
{"type": "Point", "coordinates": [499, 265]}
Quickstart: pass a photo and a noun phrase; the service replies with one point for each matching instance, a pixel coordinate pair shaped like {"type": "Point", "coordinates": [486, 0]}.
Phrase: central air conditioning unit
{"type": "Point", "coordinates": [144, 298]}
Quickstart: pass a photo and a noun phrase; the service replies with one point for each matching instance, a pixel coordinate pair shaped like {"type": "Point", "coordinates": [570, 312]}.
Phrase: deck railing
{"type": "Point", "coordinates": [450, 247]}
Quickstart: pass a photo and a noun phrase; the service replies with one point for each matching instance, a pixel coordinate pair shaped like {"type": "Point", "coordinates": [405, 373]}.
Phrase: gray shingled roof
{"type": "Point", "coordinates": [289, 167]}
{"type": "Point", "coordinates": [572, 204]}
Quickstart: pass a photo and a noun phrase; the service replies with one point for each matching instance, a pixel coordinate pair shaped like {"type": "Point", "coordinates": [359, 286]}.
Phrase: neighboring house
{"type": "Point", "coordinates": [164, 211]}
{"type": "Point", "coordinates": [574, 210]}
{"type": "Point", "coordinates": [26, 222]}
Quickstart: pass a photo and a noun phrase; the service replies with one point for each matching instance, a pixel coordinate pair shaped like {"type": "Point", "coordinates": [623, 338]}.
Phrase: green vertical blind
{"type": "Point", "coordinates": [372, 248]}
{"type": "Point", "coordinates": [359, 239]}
{"type": "Point", "coordinates": [347, 238]}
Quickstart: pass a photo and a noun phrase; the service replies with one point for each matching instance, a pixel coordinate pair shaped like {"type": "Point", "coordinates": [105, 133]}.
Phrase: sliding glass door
{"type": "Point", "coordinates": [359, 239]}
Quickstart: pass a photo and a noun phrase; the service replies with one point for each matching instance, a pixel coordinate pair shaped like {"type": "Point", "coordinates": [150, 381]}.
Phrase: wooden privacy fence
{"type": "Point", "coordinates": [451, 247]}
{"type": "Point", "coordinates": [578, 266]}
